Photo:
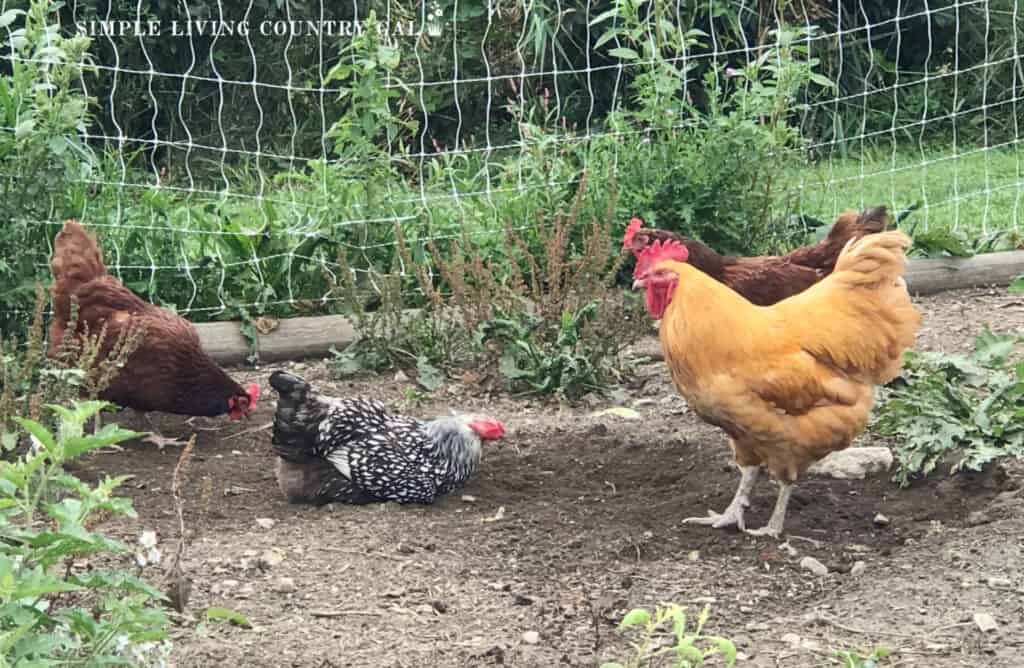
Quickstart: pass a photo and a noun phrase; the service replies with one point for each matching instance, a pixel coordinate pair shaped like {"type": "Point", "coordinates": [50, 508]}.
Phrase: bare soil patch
{"type": "Point", "coordinates": [573, 520]}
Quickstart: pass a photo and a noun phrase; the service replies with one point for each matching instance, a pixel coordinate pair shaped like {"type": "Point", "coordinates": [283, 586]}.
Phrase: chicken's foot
{"type": "Point", "coordinates": [733, 515]}
{"type": "Point", "coordinates": [160, 441]}
{"type": "Point", "coordinates": [778, 518]}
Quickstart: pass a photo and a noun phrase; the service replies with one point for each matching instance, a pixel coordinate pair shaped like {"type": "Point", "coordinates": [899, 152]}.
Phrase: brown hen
{"type": "Point", "coordinates": [767, 279]}
{"type": "Point", "coordinates": [169, 372]}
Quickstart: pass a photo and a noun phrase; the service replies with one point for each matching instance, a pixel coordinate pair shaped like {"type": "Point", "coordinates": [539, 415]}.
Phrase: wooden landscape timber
{"type": "Point", "coordinates": [305, 337]}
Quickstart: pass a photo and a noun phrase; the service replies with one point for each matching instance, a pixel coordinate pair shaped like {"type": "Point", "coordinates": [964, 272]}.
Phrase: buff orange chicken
{"type": "Point", "coordinates": [791, 382]}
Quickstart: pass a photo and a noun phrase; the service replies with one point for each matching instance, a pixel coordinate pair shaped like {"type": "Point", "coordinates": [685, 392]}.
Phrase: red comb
{"type": "Point", "coordinates": [634, 225]}
{"type": "Point", "coordinates": [660, 251]}
{"type": "Point", "coordinates": [254, 394]}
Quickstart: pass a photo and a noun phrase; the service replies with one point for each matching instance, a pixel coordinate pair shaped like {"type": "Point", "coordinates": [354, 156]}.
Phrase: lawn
{"type": "Point", "coordinates": [976, 190]}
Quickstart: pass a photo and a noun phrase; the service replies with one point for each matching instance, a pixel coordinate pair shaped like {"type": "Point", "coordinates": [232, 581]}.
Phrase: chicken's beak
{"type": "Point", "coordinates": [638, 284]}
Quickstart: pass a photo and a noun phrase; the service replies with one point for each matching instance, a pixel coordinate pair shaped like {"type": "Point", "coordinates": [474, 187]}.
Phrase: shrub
{"type": "Point", "coordinates": [544, 322]}
{"type": "Point", "coordinates": [79, 367]}
{"type": "Point", "coordinates": [59, 602]}
{"type": "Point", "coordinates": [711, 172]}
{"type": "Point", "coordinates": [965, 409]}
{"type": "Point", "coordinates": [44, 157]}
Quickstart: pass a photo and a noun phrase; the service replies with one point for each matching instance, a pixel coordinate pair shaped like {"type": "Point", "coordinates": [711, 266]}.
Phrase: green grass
{"type": "Point", "coordinates": [978, 192]}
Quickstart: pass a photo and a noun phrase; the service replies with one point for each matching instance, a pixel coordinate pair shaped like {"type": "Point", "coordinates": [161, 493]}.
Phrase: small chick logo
{"type": "Point", "coordinates": [434, 20]}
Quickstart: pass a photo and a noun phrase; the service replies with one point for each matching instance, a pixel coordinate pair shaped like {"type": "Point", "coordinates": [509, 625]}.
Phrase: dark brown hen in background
{"type": "Point", "coordinates": [767, 279]}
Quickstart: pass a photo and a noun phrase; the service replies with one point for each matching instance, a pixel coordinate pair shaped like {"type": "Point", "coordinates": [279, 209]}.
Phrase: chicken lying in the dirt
{"type": "Point", "coordinates": [355, 451]}
{"type": "Point", "coordinates": [792, 382]}
{"type": "Point", "coordinates": [767, 279]}
{"type": "Point", "coordinates": [169, 372]}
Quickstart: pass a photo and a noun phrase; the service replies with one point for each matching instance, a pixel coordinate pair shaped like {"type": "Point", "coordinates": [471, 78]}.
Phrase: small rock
{"type": "Point", "coordinates": [225, 586]}
{"type": "Point", "coordinates": [791, 639]}
{"type": "Point", "coordinates": [858, 568]}
{"type": "Point", "coordinates": [977, 518]}
{"type": "Point", "coordinates": [284, 585]}
{"type": "Point", "coordinates": [519, 599]}
{"type": "Point", "coordinates": [265, 523]}
{"type": "Point", "coordinates": [853, 463]}
{"type": "Point", "coordinates": [954, 555]}
{"type": "Point", "coordinates": [400, 377]}
{"type": "Point", "coordinates": [269, 559]}
{"type": "Point", "coordinates": [986, 622]}
{"type": "Point", "coordinates": [439, 606]}
{"type": "Point", "coordinates": [1000, 582]}
{"type": "Point", "coordinates": [881, 520]}
{"type": "Point", "coordinates": [531, 637]}
{"type": "Point", "coordinates": [469, 498]}
{"type": "Point", "coordinates": [813, 565]}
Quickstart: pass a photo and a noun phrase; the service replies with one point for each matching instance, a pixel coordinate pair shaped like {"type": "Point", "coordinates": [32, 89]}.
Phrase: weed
{"type": "Point", "coordinates": [57, 607]}
{"type": "Point", "coordinates": [546, 321]}
{"type": "Point", "coordinates": [854, 659]}
{"type": "Point", "coordinates": [664, 636]}
{"type": "Point", "coordinates": [81, 366]}
{"type": "Point", "coordinates": [42, 152]}
{"type": "Point", "coordinates": [965, 409]}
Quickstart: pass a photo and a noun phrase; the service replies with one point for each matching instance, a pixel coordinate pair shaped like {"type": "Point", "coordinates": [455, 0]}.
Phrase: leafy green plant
{"type": "Point", "coordinates": [966, 409]}
{"type": "Point", "coordinates": [663, 638]}
{"type": "Point", "coordinates": [81, 366]}
{"type": "Point", "coordinates": [1017, 284]}
{"type": "Point", "coordinates": [854, 659]}
{"type": "Point", "coordinates": [717, 162]}
{"type": "Point", "coordinates": [547, 321]}
{"type": "Point", "coordinates": [58, 606]}
{"type": "Point", "coordinates": [42, 153]}
{"type": "Point", "coordinates": [376, 110]}
{"type": "Point", "coordinates": [659, 47]}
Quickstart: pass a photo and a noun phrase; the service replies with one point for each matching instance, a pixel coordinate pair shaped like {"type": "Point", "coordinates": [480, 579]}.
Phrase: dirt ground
{"type": "Point", "coordinates": [572, 520]}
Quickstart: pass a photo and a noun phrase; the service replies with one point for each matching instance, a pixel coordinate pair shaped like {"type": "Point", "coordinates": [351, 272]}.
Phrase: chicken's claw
{"type": "Point", "coordinates": [732, 517]}
{"type": "Point", "coordinates": [161, 441]}
{"type": "Point", "coordinates": [766, 530]}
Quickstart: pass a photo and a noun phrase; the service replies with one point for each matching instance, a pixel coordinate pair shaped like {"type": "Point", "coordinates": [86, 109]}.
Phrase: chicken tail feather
{"type": "Point", "coordinates": [873, 259]}
{"type": "Point", "coordinates": [298, 417]}
{"type": "Point", "coordinates": [874, 320]}
{"type": "Point", "coordinates": [76, 261]}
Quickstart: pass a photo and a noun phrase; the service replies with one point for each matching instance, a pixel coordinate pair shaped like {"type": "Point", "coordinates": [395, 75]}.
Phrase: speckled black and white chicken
{"type": "Point", "coordinates": [356, 451]}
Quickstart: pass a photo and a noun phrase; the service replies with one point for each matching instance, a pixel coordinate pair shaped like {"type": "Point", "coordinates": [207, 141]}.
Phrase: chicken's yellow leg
{"type": "Point", "coordinates": [778, 519]}
{"type": "Point", "coordinates": [733, 515]}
